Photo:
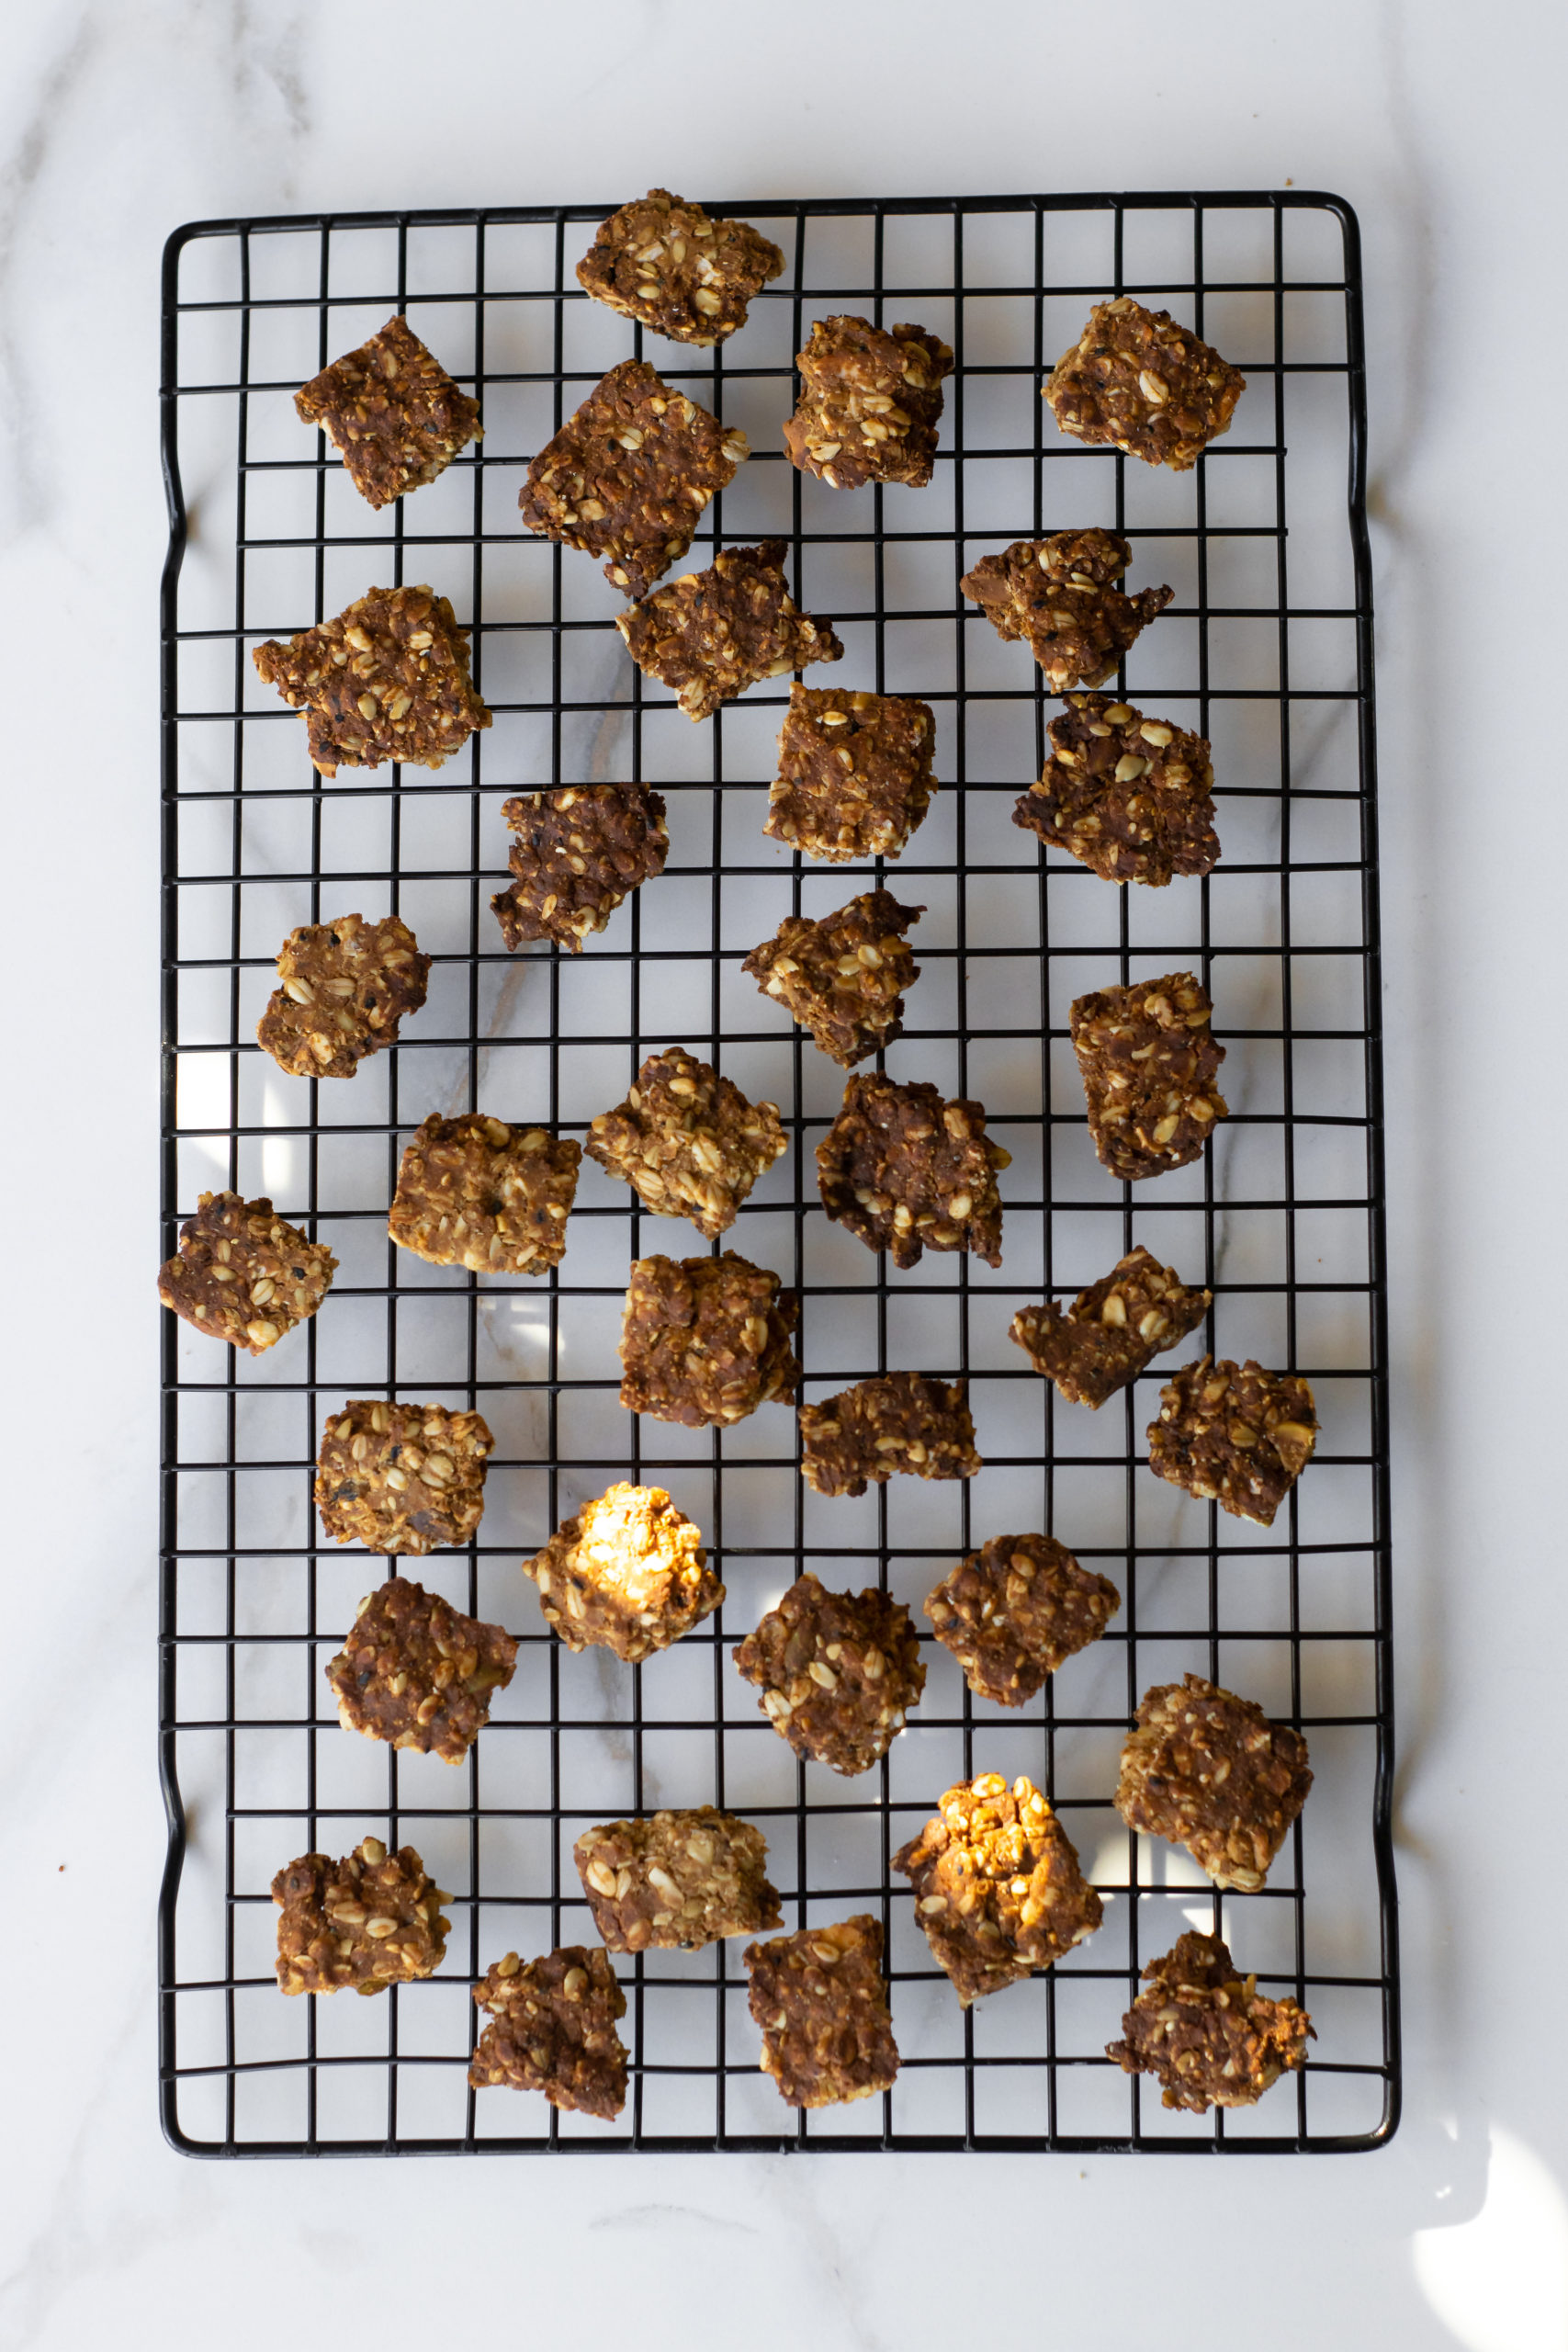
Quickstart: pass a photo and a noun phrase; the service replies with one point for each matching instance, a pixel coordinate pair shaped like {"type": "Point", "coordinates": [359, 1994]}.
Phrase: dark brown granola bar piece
{"type": "Point", "coordinates": [392, 412]}
{"type": "Point", "coordinates": [710, 634]}
{"type": "Point", "coordinates": [1209, 1771]}
{"type": "Point", "coordinates": [687, 1141]}
{"type": "Point", "coordinates": [1063, 596]}
{"type": "Point", "coordinates": [838, 1672]}
{"type": "Point", "coordinates": [579, 853]}
{"type": "Point", "coordinates": [1015, 1610]}
{"type": "Point", "coordinates": [476, 1192]}
{"type": "Point", "coordinates": [629, 476]}
{"type": "Point", "coordinates": [387, 680]}
{"type": "Point", "coordinates": [661, 260]}
{"type": "Point", "coordinates": [401, 1478]}
{"type": "Point", "coordinates": [1113, 1330]}
{"type": "Point", "coordinates": [1206, 2033]}
{"type": "Point", "coordinates": [706, 1340]}
{"type": "Point", "coordinates": [1137, 380]}
{"type": "Point", "coordinates": [368, 1921]}
{"type": "Point", "coordinates": [821, 2002]}
{"type": "Point", "coordinates": [854, 774]}
{"type": "Point", "coordinates": [553, 2029]}
{"type": "Point", "coordinates": [842, 978]}
{"type": "Point", "coordinates": [996, 1884]}
{"type": "Point", "coordinates": [626, 1573]}
{"type": "Point", "coordinates": [870, 401]}
{"type": "Point", "coordinates": [1148, 1062]}
{"type": "Point", "coordinates": [346, 987]}
{"type": "Point", "coordinates": [241, 1273]}
{"type": "Point", "coordinates": [907, 1171]}
{"type": "Point", "coordinates": [417, 1673]}
{"type": "Point", "coordinates": [676, 1880]}
{"type": "Point", "coordinates": [1130, 798]}
{"type": "Point", "coordinates": [903, 1422]}
{"type": "Point", "coordinates": [1234, 1435]}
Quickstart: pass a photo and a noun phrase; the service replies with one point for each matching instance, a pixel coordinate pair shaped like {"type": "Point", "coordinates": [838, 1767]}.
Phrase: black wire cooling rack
{"type": "Point", "coordinates": [1266, 649]}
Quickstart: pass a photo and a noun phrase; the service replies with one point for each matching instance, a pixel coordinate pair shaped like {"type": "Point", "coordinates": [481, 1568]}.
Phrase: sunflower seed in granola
{"type": "Point", "coordinates": [844, 977]}
{"type": "Point", "coordinates": [386, 680]}
{"type": "Point", "coordinates": [345, 988]}
{"type": "Point", "coordinates": [241, 1273]}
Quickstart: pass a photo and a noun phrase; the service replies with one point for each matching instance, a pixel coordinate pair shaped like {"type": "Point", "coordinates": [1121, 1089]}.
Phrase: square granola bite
{"type": "Point", "coordinates": [1234, 1434]}
{"type": "Point", "coordinates": [1148, 1063]}
{"type": "Point", "coordinates": [1208, 1770]}
{"type": "Point", "coordinates": [838, 1672]}
{"type": "Point", "coordinates": [241, 1273]}
{"type": "Point", "coordinates": [687, 1141]}
{"type": "Point", "coordinates": [1139, 382]}
{"type": "Point", "coordinates": [553, 2029]}
{"type": "Point", "coordinates": [418, 1674]}
{"type": "Point", "coordinates": [368, 1921]}
{"type": "Point", "coordinates": [626, 1573]}
{"type": "Point", "coordinates": [902, 1421]}
{"type": "Point", "coordinates": [710, 634]}
{"type": "Point", "coordinates": [1130, 798]}
{"type": "Point", "coordinates": [842, 978]}
{"type": "Point", "coordinates": [676, 1881]}
{"type": "Point", "coordinates": [1063, 596]}
{"type": "Point", "coordinates": [392, 412]}
{"type": "Point", "coordinates": [821, 2002]}
{"type": "Point", "coordinates": [706, 1340]}
{"type": "Point", "coordinates": [1013, 1610]}
{"type": "Point", "coordinates": [997, 1889]}
{"type": "Point", "coordinates": [579, 851]}
{"type": "Point", "coordinates": [904, 1171]}
{"type": "Point", "coordinates": [870, 401]}
{"type": "Point", "coordinates": [1113, 1330]}
{"type": "Point", "coordinates": [854, 774]}
{"type": "Point", "coordinates": [476, 1192]}
{"type": "Point", "coordinates": [1206, 2033]}
{"type": "Point", "coordinates": [401, 1478]}
{"type": "Point", "coordinates": [346, 987]}
{"type": "Point", "coordinates": [387, 680]}
{"type": "Point", "coordinates": [629, 476]}
{"type": "Point", "coordinates": [661, 261]}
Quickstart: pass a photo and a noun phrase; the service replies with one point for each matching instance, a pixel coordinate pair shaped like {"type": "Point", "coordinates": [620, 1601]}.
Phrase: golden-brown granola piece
{"type": "Point", "coordinates": [1113, 1330]}
{"type": "Point", "coordinates": [1208, 2035]}
{"type": "Point", "coordinates": [553, 2029]}
{"type": "Point", "coordinates": [844, 977]}
{"type": "Point", "coordinates": [676, 1881]}
{"type": "Point", "coordinates": [1063, 598]}
{"type": "Point", "coordinates": [370, 1920]}
{"type": "Point", "coordinates": [906, 1172]}
{"type": "Point", "coordinates": [418, 1674]}
{"type": "Point", "coordinates": [1234, 1434]}
{"type": "Point", "coordinates": [1148, 1062]}
{"type": "Point", "coordinates": [1209, 1771]}
{"type": "Point", "coordinates": [838, 1672]}
{"type": "Point", "coordinates": [476, 1192]}
{"type": "Point", "coordinates": [387, 680]}
{"type": "Point", "coordinates": [997, 1888]}
{"type": "Point", "coordinates": [1015, 1610]}
{"type": "Point", "coordinates": [579, 851]}
{"type": "Point", "coordinates": [870, 401]}
{"type": "Point", "coordinates": [706, 1340]}
{"type": "Point", "coordinates": [711, 634]}
{"type": "Point", "coordinates": [392, 412]}
{"type": "Point", "coordinates": [821, 2002]}
{"type": "Point", "coordinates": [241, 1273]}
{"type": "Point", "coordinates": [661, 260]}
{"type": "Point", "coordinates": [1139, 382]}
{"type": "Point", "coordinates": [687, 1141]}
{"type": "Point", "coordinates": [346, 987]}
{"type": "Point", "coordinates": [1130, 798]}
{"type": "Point", "coordinates": [401, 1478]}
{"type": "Point", "coordinates": [854, 777]}
{"type": "Point", "coordinates": [903, 1422]}
{"type": "Point", "coordinates": [627, 1573]}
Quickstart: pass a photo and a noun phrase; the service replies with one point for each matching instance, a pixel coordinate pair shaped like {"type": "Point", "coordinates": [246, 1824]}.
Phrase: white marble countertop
{"type": "Point", "coordinates": [117, 124]}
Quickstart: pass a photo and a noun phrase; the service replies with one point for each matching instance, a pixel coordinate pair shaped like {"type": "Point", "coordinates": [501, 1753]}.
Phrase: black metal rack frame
{"type": "Point", "coordinates": [1285, 1215]}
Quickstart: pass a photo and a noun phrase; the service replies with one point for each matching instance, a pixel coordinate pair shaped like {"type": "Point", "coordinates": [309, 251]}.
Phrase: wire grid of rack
{"type": "Point", "coordinates": [1266, 649]}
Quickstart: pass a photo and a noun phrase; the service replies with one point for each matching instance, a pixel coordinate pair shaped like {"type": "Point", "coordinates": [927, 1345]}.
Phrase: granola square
{"type": "Point", "coordinates": [661, 260]}
{"type": "Point", "coordinates": [245, 1274]}
{"type": "Point", "coordinates": [854, 777]}
{"type": "Point", "coordinates": [401, 1478]}
{"type": "Point", "coordinates": [1130, 798]}
{"type": "Point", "coordinates": [842, 978]}
{"type": "Point", "coordinates": [1138, 382]}
{"type": "Point", "coordinates": [370, 1920]}
{"type": "Point", "coordinates": [676, 1880]}
{"type": "Point", "coordinates": [870, 401]}
{"type": "Point", "coordinates": [1148, 1062]}
{"type": "Point", "coordinates": [392, 412]}
{"type": "Point", "coordinates": [579, 851]}
{"type": "Point", "coordinates": [1113, 1330]}
{"type": "Point", "coordinates": [345, 988]}
{"type": "Point", "coordinates": [903, 1422]}
{"type": "Point", "coordinates": [1014, 1611]}
{"type": "Point", "coordinates": [1234, 1434]}
{"type": "Point", "coordinates": [629, 476]}
{"type": "Point", "coordinates": [997, 1889]}
{"type": "Point", "coordinates": [386, 680]}
{"type": "Point", "coordinates": [553, 2029]}
{"type": "Point", "coordinates": [706, 1340]}
{"type": "Point", "coordinates": [904, 1172]}
{"type": "Point", "coordinates": [821, 2001]}
{"type": "Point", "coordinates": [416, 1673]}
{"type": "Point", "coordinates": [477, 1192]}
{"type": "Point", "coordinates": [626, 1573]}
{"type": "Point", "coordinates": [710, 634]}
{"type": "Point", "coordinates": [1206, 2033]}
{"type": "Point", "coordinates": [687, 1141]}
{"type": "Point", "coordinates": [838, 1672]}
{"type": "Point", "coordinates": [1063, 598]}
{"type": "Point", "coordinates": [1208, 1770]}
